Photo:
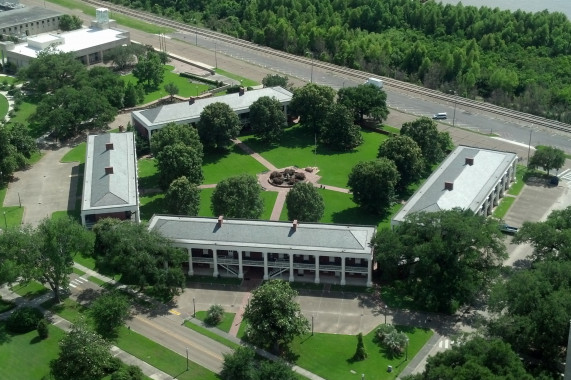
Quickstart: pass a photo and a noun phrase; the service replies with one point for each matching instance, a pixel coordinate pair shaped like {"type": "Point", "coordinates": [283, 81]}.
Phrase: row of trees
{"type": "Point", "coordinates": [402, 160]}
{"type": "Point", "coordinates": [516, 59]}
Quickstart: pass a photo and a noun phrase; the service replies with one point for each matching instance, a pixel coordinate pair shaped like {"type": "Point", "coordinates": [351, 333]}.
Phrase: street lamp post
{"type": "Point", "coordinates": [5, 222]}
{"type": "Point", "coordinates": [406, 355]}
{"type": "Point", "coordinates": [216, 55]}
{"type": "Point", "coordinates": [194, 307]}
{"type": "Point", "coordinates": [187, 358]}
{"type": "Point", "coordinates": [454, 115]}
{"type": "Point", "coordinates": [311, 324]}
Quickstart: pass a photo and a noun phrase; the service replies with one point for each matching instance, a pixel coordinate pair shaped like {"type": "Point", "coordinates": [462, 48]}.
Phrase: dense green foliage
{"type": "Point", "coordinates": [238, 197]}
{"type": "Point", "coordinates": [547, 158]}
{"type": "Point", "coordinates": [373, 184]}
{"type": "Point", "coordinates": [267, 119]}
{"type": "Point", "coordinates": [15, 147]}
{"type": "Point", "coordinates": [444, 259]}
{"type": "Point", "coordinates": [476, 359]}
{"type": "Point", "coordinates": [182, 197]}
{"type": "Point", "coordinates": [517, 59]}
{"type": "Point", "coordinates": [67, 22]}
{"type": "Point", "coordinates": [274, 318]}
{"type": "Point", "coordinates": [109, 312]}
{"type": "Point", "coordinates": [218, 124]}
{"type": "Point", "coordinates": [242, 365]}
{"type": "Point", "coordinates": [304, 203]}
{"type": "Point", "coordinates": [407, 156]}
{"type": "Point", "coordinates": [24, 319]}
{"type": "Point", "coordinates": [433, 144]}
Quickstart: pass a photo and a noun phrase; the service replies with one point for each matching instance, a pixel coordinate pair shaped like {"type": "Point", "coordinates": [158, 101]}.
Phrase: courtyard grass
{"type": "Point", "coordinates": [6, 305]}
{"type": "Point", "coordinates": [269, 198]}
{"type": "Point", "coordinates": [148, 173]}
{"type": "Point", "coordinates": [11, 216]}
{"type": "Point", "coordinates": [30, 290]}
{"type": "Point", "coordinates": [316, 353]}
{"type": "Point", "coordinates": [297, 149]}
{"type": "Point", "coordinates": [186, 88]}
{"type": "Point", "coordinates": [244, 81]}
{"type": "Point", "coordinates": [517, 187]}
{"type": "Point", "coordinates": [25, 356]}
{"type": "Point", "coordinates": [76, 154]}
{"type": "Point", "coordinates": [151, 204]}
{"type": "Point", "coordinates": [221, 164]}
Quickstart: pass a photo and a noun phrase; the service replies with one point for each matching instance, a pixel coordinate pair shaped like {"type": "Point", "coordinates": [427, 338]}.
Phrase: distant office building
{"type": "Point", "coordinates": [151, 120]}
{"type": "Point", "coordinates": [88, 44]}
{"type": "Point", "coordinates": [469, 178]}
{"type": "Point", "coordinates": [30, 21]}
{"type": "Point", "coordinates": [110, 179]}
{"type": "Point", "coordinates": [247, 248]}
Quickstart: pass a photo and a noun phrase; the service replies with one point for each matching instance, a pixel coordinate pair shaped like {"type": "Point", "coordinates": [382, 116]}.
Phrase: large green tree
{"type": "Point", "coordinates": [218, 124]}
{"type": "Point", "coordinates": [107, 83]}
{"type": "Point", "coordinates": [406, 155]}
{"type": "Point", "coordinates": [18, 250]}
{"type": "Point", "coordinates": [273, 80]}
{"type": "Point", "coordinates": [16, 146]}
{"type": "Point", "coordinates": [311, 102]}
{"type": "Point", "coordinates": [143, 257]}
{"type": "Point", "coordinates": [69, 22]}
{"type": "Point", "coordinates": [182, 197]}
{"type": "Point", "coordinates": [239, 365]}
{"type": "Point", "coordinates": [444, 259]}
{"type": "Point", "coordinates": [110, 311]}
{"type": "Point", "coordinates": [548, 158]}
{"type": "Point", "coordinates": [179, 160]}
{"type": "Point", "coordinates": [274, 317]}
{"type": "Point", "coordinates": [267, 119]}
{"type": "Point", "coordinates": [432, 143]}
{"type": "Point", "coordinates": [304, 203]}
{"type": "Point", "coordinates": [364, 100]}
{"type": "Point", "coordinates": [372, 184]}
{"type": "Point", "coordinates": [339, 131]}
{"type": "Point", "coordinates": [238, 197]}
{"type": "Point", "coordinates": [550, 238]}
{"type": "Point", "coordinates": [58, 241]}
{"type": "Point", "coordinates": [531, 310]}
{"type": "Point", "coordinates": [175, 133]}
{"type": "Point", "coordinates": [149, 70]}
{"type": "Point", "coordinates": [83, 355]}
{"type": "Point", "coordinates": [478, 358]}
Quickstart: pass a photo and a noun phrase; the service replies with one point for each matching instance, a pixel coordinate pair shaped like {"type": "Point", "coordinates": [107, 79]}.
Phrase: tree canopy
{"type": "Point", "coordinates": [267, 119]}
{"type": "Point", "coordinates": [548, 158]}
{"type": "Point", "coordinates": [432, 143]}
{"type": "Point", "coordinates": [478, 358]}
{"type": "Point", "coordinates": [16, 146]}
{"type": "Point", "coordinates": [311, 102]}
{"type": "Point", "coordinates": [149, 70]}
{"type": "Point", "coordinates": [182, 197]}
{"type": "Point", "coordinates": [273, 80]}
{"type": "Point", "coordinates": [338, 129]}
{"type": "Point", "coordinates": [364, 100]}
{"type": "Point", "coordinates": [238, 197]}
{"type": "Point", "coordinates": [373, 184]}
{"type": "Point", "coordinates": [304, 203]}
{"type": "Point", "coordinates": [218, 124]}
{"type": "Point", "coordinates": [444, 259]}
{"type": "Point", "coordinates": [274, 318]}
{"type": "Point", "coordinates": [406, 155]}
{"type": "Point", "coordinates": [110, 311]}
{"type": "Point", "coordinates": [69, 22]}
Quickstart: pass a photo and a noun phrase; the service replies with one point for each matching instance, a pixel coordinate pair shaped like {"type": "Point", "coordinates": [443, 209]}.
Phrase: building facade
{"type": "Point", "coordinates": [29, 21]}
{"type": "Point", "coordinates": [469, 178]}
{"type": "Point", "coordinates": [110, 188]}
{"type": "Point", "coordinates": [292, 250]}
{"type": "Point", "coordinates": [150, 120]}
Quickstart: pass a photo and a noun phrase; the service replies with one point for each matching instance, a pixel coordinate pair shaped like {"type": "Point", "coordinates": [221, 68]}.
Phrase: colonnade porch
{"type": "Point", "coordinates": [282, 265]}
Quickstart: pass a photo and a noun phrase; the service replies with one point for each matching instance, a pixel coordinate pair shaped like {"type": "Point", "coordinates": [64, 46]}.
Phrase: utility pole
{"type": "Point", "coordinates": [529, 145]}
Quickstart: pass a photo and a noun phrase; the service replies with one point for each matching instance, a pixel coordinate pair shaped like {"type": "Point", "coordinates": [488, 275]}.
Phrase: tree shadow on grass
{"type": "Point", "coordinates": [156, 206]}
{"type": "Point", "coordinates": [149, 182]}
{"type": "Point", "coordinates": [356, 215]}
{"type": "Point", "coordinates": [212, 156]}
{"type": "Point", "coordinates": [5, 336]}
{"type": "Point", "coordinates": [293, 138]}
{"type": "Point", "coordinates": [36, 340]}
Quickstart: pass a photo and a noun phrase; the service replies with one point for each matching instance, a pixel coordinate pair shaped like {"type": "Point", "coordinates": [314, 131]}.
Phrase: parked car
{"type": "Point", "coordinates": [440, 115]}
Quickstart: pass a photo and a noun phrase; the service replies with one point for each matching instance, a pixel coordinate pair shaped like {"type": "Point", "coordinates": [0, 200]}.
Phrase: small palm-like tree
{"type": "Point", "coordinates": [214, 315]}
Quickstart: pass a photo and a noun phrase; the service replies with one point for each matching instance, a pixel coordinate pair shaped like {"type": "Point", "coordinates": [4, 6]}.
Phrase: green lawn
{"type": "Point", "coordinates": [329, 355]}
{"type": "Point", "coordinates": [245, 81]}
{"type": "Point", "coordinates": [77, 154]}
{"type": "Point", "coordinates": [186, 88]}
{"type": "Point", "coordinates": [148, 173]}
{"type": "Point", "coordinates": [3, 107]}
{"type": "Point", "coordinates": [218, 165]}
{"type": "Point", "coordinates": [517, 187]}
{"type": "Point", "coordinates": [6, 305]}
{"type": "Point", "coordinates": [150, 205]}
{"type": "Point", "coordinates": [502, 209]}
{"type": "Point", "coordinates": [30, 290]}
{"type": "Point", "coordinates": [123, 20]}
{"type": "Point", "coordinates": [224, 325]}
{"type": "Point", "coordinates": [269, 198]}
{"type": "Point", "coordinates": [27, 108]}
{"type": "Point", "coordinates": [25, 356]}
{"type": "Point", "coordinates": [297, 149]}
{"type": "Point", "coordinates": [11, 216]}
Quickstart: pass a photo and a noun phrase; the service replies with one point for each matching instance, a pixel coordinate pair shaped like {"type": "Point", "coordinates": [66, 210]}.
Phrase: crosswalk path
{"type": "Point", "coordinates": [77, 282]}
{"type": "Point", "coordinates": [445, 343]}
{"type": "Point", "coordinates": [565, 175]}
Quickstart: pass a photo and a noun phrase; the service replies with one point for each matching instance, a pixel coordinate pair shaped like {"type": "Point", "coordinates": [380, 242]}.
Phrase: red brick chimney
{"type": "Point", "coordinates": [220, 220]}
{"type": "Point", "coordinates": [449, 186]}
{"type": "Point", "coordinates": [109, 170]}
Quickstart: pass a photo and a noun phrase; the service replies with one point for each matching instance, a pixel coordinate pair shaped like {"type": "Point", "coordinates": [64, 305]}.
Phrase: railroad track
{"type": "Point", "coordinates": [352, 73]}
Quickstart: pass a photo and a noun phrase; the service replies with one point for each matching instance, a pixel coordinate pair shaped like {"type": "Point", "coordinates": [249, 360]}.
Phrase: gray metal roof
{"type": "Point", "coordinates": [24, 15]}
{"type": "Point", "coordinates": [472, 183]}
{"type": "Point", "coordinates": [265, 234]}
{"type": "Point", "coordinates": [189, 113]}
{"type": "Point", "coordinates": [101, 190]}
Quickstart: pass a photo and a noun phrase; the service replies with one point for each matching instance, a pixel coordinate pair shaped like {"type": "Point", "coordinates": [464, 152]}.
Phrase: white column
{"type": "Point", "coordinates": [240, 269]}
{"type": "Point", "coordinates": [265, 254]}
{"type": "Point", "coordinates": [215, 259]}
{"type": "Point", "coordinates": [190, 269]}
{"type": "Point", "coordinates": [317, 269]}
{"type": "Point", "coordinates": [369, 272]}
{"type": "Point", "coordinates": [342, 270]}
{"type": "Point", "coordinates": [291, 267]}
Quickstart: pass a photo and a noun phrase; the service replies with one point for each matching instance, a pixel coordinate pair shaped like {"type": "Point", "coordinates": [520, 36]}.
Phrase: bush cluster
{"type": "Point", "coordinates": [214, 315]}
{"type": "Point", "coordinates": [24, 319]}
{"type": "Point", "coordinates": [389, 337]}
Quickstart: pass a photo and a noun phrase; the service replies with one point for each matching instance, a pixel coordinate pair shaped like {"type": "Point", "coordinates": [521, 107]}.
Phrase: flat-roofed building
{"type": "Point", "coordinates": [29, 21]}
{"type": "Point", "coordinates": [149, 120]}
{"type": "Point", "coordinates": [88, 44]}
{"type": "Point", "coordinates": [110, 179]}
{"type": "Point", "coordinates": [469, 178]}
{"type": "Point", "coordinates": [234, 246]}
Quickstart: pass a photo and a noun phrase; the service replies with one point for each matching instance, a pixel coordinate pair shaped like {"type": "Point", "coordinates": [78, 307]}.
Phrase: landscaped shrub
{"type": "Point", "coordinates": [24, 319]}
{"type": "Point", "coordinates": [289, 171]}
{"type": "Point", "coordinates": [300, 176]}
{"type": "Point", "coordinates": [360, 353]}
{"type": "Point", "coordinates": [275, 174]}
{"type": "Point", "coordinates": [278, 180]}
{"type": "Point", "coordinates": [384, 330]}
{"type": "Point", "coordinates": [43, 330]}
{"type": "Point", "coordinates": [131, 372]}
{"type": "Point", "coordinates": [214, 315]}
